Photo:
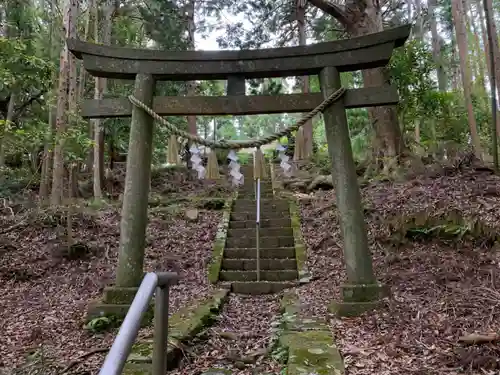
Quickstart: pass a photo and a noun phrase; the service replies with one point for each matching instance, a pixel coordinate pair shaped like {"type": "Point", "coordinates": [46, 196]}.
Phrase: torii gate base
{"type": "Point", "coordinates": [328, 60]}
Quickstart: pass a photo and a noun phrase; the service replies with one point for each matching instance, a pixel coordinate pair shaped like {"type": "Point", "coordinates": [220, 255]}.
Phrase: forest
{"type": "Point", "coordinates": [426, 167]}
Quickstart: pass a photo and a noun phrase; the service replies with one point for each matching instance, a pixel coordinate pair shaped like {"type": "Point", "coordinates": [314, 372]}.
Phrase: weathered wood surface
{"type": "Point", "coordinates": [238, 104]}
{"type": "Point", "coordinates": [363, 52]}
{"type": "Point", "coordinates": [236, 85]}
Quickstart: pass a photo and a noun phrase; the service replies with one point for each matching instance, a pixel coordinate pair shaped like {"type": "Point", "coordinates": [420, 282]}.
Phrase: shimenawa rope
{"type": "Point", "coordinates": [240, 144]}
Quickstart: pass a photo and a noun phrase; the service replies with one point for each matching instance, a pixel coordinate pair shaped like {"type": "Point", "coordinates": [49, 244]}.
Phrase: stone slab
{"type": "Point", "coordinates": [265, 242]}
{"type": "Point", "coordinates": [260, 288]}
{"type": "Point", "coordinates": [287, 275]}
{"type": "Point", "coordinates": [265, 223]}
{"type": "Point", "coordinates": [263, 232]}
{"type": "Point", "coordinates": [352, 309]}
{"type": "Point", "coordinates": [364, 292]}
{"type": "Point", "coordinates": [265, 264]}
{"type": "Point", "coordinates": [265, 253]}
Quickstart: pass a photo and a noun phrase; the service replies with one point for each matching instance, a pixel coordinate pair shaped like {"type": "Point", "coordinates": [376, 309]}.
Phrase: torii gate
{"type": "Point", "coordinates": [327, 60]}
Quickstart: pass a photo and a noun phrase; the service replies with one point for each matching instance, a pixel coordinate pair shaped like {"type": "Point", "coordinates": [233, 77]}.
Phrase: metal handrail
{"type": "Point", "coordinates": [120, 350]}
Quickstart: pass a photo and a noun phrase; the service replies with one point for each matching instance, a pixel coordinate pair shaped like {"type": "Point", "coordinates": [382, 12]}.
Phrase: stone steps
{"type": "Point", "coordinates": [264, 223]}
{"type": "Point", "coordinates": [263, 232]}
{"type": "Point", "coordinates": [264, 209]}
{"type": "Point", "coordinates": [277, 262]}
{"type": "Point", "coordinates": [264, 264]}
{"type": "Point", "coordinates": [252, 195]}
{"type": "Point", "coordinates": [265, 253]}
{"type": "Point", "coordinates": [265, 275]}
{"type": "Point", "coordinates": [265, 215]}
{"type": "Point", "coordinates": [269, 242]}
{"type": "Point", "coordinates": [260, 287]}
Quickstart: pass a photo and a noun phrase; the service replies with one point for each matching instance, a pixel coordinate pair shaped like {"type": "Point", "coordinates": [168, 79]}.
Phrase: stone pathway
{"type": "Point", "coordinates": [278, 266]}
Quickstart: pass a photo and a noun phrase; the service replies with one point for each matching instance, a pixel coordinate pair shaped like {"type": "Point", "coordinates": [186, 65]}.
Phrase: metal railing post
{"type": "Point", "coordinates": [120, 350]}
{"type": "Point", "coordinates": [160, 331]}
{"type": "Point", "coordinates": [257, 230]}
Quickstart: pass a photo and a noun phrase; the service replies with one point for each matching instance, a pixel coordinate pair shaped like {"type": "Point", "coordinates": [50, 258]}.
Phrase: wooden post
{"type": "Point", "coordinates": [135, 198]}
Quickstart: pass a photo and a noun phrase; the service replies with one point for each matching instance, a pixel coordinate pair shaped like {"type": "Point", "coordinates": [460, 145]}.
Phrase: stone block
{"type": "Point", "coordinates": [364, 292]}
{"type": "Point", "coordinates": [119, 295]}
{"type": "Point", "coordinates": [351, 309]}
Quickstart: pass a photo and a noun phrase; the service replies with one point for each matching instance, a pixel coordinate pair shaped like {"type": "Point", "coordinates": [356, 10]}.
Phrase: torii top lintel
{"type": "Point", "coordinates": [364, 52]}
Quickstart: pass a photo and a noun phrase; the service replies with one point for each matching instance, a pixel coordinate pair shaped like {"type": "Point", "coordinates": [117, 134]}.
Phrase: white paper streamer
{"type": "Point", "coordinates": [285, 165]}
{"type": "Point", "coordinates": [196, 162]}
{"type": "Point", "coordinates": [237, 178]}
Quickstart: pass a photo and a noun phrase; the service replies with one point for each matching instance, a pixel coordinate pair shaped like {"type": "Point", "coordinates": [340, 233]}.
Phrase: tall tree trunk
{"type": "Point", "coordinates": [47, 157]}
{"type": "Point", "coordinates": [361, 17]}
{"type": "Point", "coordinates": [479, 83]}
{"type": "Point", "coordinates": [388, 141]}
{"type": "Point", "coordinates": [484, 35]}
{"type": "Point", "coordinates": [436, 46]}
{"type": "Point", "coordinates": [492, 40]}
{"type": "Point", "coordinates": [5, 130]}
{"type": "Point", "coordinates": [47, 149]}
{"type": "Point", "coordinates": [308, 126]}
{"type": "Point", "coordinates": [418, 34]}
{"type": "Point", "coordinates": [461, 36]}
{"type": "Point", "coordinates": [91, 13]}
{"type": "Point", "coordinates": [191, 86]}
{"type": "Point", "coordinates": [83, 73]}
{"type": "Point", "coordinates": [419, 21]}
{"type": "Point", "coordinates": [100, 88]}
{"type": "Point", "coordinates": [66, 93]}
{"type": "Point", "coordinates": [496, 50]}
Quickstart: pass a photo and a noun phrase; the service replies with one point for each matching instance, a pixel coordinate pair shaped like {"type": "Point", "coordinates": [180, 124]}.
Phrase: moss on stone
{"type": "Point", "coordinates": [289, 303]}
{"type": "Point", "coordinates": [115, 295]}
{"type": "Point", "coordinates": [449, 224]}
{"type": "Point", "coordinates": [191, 320]}
{"type": "Point", "coordinates": [300, 246]}
{"type": "Point", "coordinates": [137, 369]}
{"type": "Point", "coordinates": [352, 309]}
{"type": "Point", "coordinates": [309, 342]}
{"type": "Point", "coordinates": [313, 352]}
{"type": "Point", "coordinates": [215, 264]}
{"type": "Point", "coordinates": [183, 326]}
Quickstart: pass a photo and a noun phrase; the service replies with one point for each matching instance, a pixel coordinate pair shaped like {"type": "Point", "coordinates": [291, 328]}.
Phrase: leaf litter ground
{"type": "Point", "coordinates": [238, 342]}
{"type": "Point", "coordinates": [44, 296]}
{"type": "Point", "coordinates": [442, 290]}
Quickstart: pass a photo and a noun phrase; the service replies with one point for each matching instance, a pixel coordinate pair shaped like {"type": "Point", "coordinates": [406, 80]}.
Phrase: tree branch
{"type": "Point", "coordinates": [18, 111]}
{"type": "Point", "coordinates": [333, 10]}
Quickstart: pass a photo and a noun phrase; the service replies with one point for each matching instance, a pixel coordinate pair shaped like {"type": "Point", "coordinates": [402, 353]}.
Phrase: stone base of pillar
{"type": "Point", "coordinates": [359, 298]}
{"type": "Point", "coordinates": [115, 304]}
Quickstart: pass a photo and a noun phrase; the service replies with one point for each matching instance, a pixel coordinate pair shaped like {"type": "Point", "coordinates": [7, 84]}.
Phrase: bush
{"type": "Point", "coordinates": [13, 181]}
{"type": "Point", "coordinates": [322, 160]}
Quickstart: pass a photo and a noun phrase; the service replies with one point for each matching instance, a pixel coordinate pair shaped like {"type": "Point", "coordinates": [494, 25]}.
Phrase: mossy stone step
{"type": "Point", "coordinates": [260, 287]}
{"type": "Point", "coordinates": [263, 232]}
{"type": "Point", "coordinates": [282, 275]}
{"type": "Point", "coordinates": [250, 184]}
{"type": "Point", "coordinates": [250, 253]}
{"type": "Point", "coordinates": [265, 242]}
{"type": "Point", "coordinates": [251, 202]}
{"type": "Point", "coordinates": [264, 215]}
{"type": "Point", "coordinates": [251, 190]}
{"type": "Point", "coordinates": [264, 209]}
{"type": "Point", "coordinates": [311, 346]}
{"type": "Point", "coordinates": [252, 195]}
{"type": "Point", "coordinates": [183, 326]}
{"type": "Point", "coordinates": [265, 264]}
{"type": "Point", "coordinates": [266, 223]}
{"type": "Point", "coordinates": [265, 206]}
